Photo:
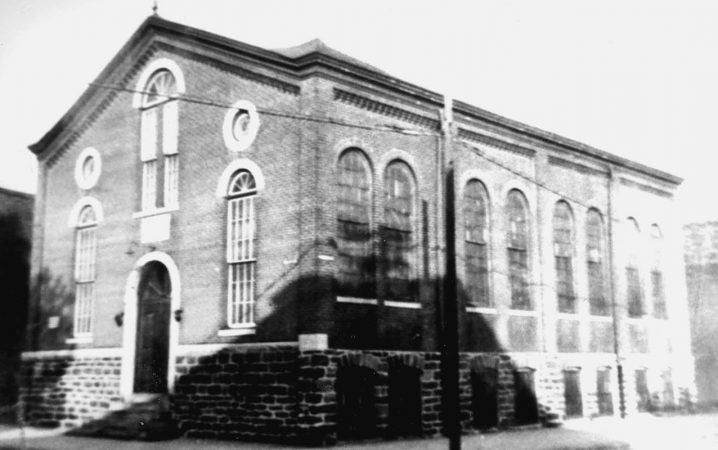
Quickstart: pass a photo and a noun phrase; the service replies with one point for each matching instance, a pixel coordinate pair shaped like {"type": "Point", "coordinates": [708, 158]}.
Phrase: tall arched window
{"type": "Point", "coordinates": [634, 295]}
{"type": "Point", "coordinates": [657, 289]}
{"type": "Point", "coordinates": [160, 166]}
{"type": "Point", "coordinates": [397, 233]}
{"type": "Point", "coordinates": [517, 248]}
{"type": "Point", "coordinates": [475, 243]}
{"type": "Point", "coordinates": [241, 253]}
{"type": "Point", "coordinates": [594, 260]}
{"type": "Point", "coordinates": [85, 259]}
{"type": "Point", "coordinates": [563, 237]}
{"type": "Point", "coordinates": [355, 263]}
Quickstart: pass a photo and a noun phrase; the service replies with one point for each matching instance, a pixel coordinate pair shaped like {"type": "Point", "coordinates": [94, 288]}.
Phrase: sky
{"type": "Point", "coordinates": [638, 79]}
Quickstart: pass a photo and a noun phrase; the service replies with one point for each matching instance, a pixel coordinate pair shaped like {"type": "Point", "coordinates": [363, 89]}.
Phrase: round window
{"type": "Point", "coordinates": [240, 126]}
{"type": "Point", "coordinates": [87, 168]}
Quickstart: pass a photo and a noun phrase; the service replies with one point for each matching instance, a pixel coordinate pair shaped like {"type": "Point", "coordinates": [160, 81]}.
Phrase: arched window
{"type": "Point", "coordinates": [517, 247]}
{"type": "Point", "coordinates": [594, 260]}
{"type": "Point", "coordinates": [633, 280]}
{"type": "Point", "coordinates": [158, 152]}
{"type": "Point", "coordinates": [397, 233]}
{"type": "Point", "coordinates": [657, 289]}
{"type": "Point", "coordinates": [563, 237]}
{"type": "Point", "coordinates": [241, 253]}
{"type": "Point", "coordinates": [355, 264]}
{"type": "Point", "coordinates": [85, 260]}
{"type": "Point", "coordinates": [476, 234]}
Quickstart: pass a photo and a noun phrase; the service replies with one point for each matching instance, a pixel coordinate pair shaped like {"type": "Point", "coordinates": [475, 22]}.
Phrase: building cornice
{"type": "Point", "coordinates": [317, 63]}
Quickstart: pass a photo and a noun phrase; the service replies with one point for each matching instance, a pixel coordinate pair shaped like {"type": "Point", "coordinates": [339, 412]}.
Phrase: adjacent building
{"type": "Point", "coordinates": [254, 239]}
{"type": "Point", "coordinates": [15, 235]}
{"type": "Point", "coordinates": [701, 257]}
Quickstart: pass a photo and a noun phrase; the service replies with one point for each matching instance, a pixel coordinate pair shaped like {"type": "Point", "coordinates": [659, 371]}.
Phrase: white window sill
{"type": "Point", "coordinates": [481, 310]}
{"type": "Point", "coordinates": [407, 305]}
{"type": "Point", "coordinates": [597, 318]}
{"type": "Point", "coordinates": [523, 312]}
{"type": "Point", "coordinates": [358, 301]}
{"type": "Point", "coordinates": [249, 329]}
{"type": "Point", "coordinates": [79, 340]}
{"type": "Point", "coordinates": [155, 212]}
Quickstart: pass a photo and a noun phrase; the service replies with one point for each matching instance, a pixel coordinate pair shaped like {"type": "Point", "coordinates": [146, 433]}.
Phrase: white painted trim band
{"type": "Point", "coordinates": [359, 301]}
{"type": "Point", "coordinates": [406, 305]}
{"type": "Point", "coordinates": [108, 352]}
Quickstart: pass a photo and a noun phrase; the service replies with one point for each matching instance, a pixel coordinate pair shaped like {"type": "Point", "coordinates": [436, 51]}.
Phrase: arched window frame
{"type": "Point", "coordinates": [356, 270]}
{"type": "Point", "coordinates": [242, 189]}
{"type": "Point", "coordinates": [476, 212]}
{"type": "Point", "coordinates": [595, 255]}
{"type": "Point", "coordinates": [517, 245]}
{"type": "Point", "coordinates": [85, 262]}
{"type": "Point", "coordinates": [657, 281]}
{"type": "Point", "coordinates": [398, 234]}
{"type": "Point", "coordinates": [563, 248]}
{"type": "Point", "coordinates": [158, 89]}
{"type": "Point", "coordinates": [634, 293]}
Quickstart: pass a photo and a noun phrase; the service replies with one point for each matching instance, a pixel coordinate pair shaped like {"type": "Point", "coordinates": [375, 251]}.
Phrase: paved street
{"type": "Point", "coordinates": [638, 433]}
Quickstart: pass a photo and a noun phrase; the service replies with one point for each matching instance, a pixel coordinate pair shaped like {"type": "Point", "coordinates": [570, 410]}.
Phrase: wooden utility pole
{"type": "Point", "coordinates": [450, 344]}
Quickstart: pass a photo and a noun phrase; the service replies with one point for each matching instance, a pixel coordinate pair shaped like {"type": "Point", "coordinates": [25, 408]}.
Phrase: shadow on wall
{"type": "Point", "coordinates": [387, 385]}
{"type": "Point", "coordinates": [14, 275]}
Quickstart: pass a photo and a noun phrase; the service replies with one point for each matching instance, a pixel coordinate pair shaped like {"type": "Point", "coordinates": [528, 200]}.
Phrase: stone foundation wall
{"type": "Point", "coordinates": [278, 393]}
{"type": "Point", "coordinates": [246, 394]}
{"type": "Point", "coordinates": [67, 392]}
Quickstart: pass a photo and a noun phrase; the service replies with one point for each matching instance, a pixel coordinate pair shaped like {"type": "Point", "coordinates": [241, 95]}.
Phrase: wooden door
{"type": "Point", "coordinates": [153, 320]}
{"type": "Point", "coordinates": [572, 392]}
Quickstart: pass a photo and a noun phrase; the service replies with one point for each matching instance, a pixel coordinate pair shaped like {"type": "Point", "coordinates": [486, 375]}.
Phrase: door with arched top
{"type": "Point", "coordinates": [153, 320]}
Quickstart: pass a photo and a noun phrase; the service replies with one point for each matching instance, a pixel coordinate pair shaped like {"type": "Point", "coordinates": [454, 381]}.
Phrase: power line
{"type": "Point", "coordinates": [275, 113]}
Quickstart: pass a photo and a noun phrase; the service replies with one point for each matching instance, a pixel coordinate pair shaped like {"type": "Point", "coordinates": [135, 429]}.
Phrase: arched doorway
{"type": "Point", "coordinates": [154, 295]}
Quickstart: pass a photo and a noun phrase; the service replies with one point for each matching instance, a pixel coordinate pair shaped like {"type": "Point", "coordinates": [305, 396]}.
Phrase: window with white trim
{"type": "Point", "coordinates": [397, 232]}
{"type": "Point", "coordinates": [598, 306]}
{"type": "Point", "coordinates": [563, 236]}
{"type": "Point", "coordinates": [85, 260]}
{"type": "Point", "coordinates": [158, 147]}
{"type": "Point", "coordinates": [475, 206]}
{"type": "Point", "coordinates": [657, 288]}
{"type": "Point", "coordinates": [634, 294]}
{"type": "Point", "coordinates": [518, 250]}
{"type": "Point", "coordinates": [355, 262]}
{"type": "Point", "coordinates": [241, 253]}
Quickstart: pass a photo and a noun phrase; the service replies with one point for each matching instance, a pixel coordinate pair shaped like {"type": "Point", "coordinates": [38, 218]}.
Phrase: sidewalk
{"type": "Point", "coordinates": [637, 433]}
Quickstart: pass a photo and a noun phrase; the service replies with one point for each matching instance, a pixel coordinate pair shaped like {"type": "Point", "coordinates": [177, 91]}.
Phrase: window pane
{"type": "Point", "coordinates": [397, 236]}
{"type": "Point", "coordinates": [518, 250]}
{"type": "Point", "coordinates": [633, 290]}
{"type": "Point", "coordinates": [659, 299]}
{"type": "Point", "coordinates": [477, 275]}
{"type": "Point", "coordinates": [171, 180]}
{"type": "Point", "coordinates": [355, 263]}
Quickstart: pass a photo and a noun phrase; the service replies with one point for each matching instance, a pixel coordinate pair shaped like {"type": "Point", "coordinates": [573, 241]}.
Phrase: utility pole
{"type": "Point", "coordinates": [450, 345]}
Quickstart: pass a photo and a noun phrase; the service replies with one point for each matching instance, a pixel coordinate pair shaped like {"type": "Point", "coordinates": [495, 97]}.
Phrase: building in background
{"type": "Point", "coordinates": [15, 236]}
{"type": "Point", "coordinates": [249, 244]}
{"type": "Point", "coordinates": [701, 256]}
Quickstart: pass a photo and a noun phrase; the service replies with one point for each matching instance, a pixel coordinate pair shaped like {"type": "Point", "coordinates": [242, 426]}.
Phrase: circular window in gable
{"type": "Point", "coordinates": [240, 126]}
{"type": "Point", "coordinates": [87, 168]}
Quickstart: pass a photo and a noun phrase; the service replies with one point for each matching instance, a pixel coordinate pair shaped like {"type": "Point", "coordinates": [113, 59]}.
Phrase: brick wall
{"type": "Point", "coordinates": [69, 392]}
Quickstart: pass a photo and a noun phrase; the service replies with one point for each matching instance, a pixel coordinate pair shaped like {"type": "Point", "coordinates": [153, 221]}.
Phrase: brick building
{"type": "Point", "coordinates": [701, 257]}
{"type": "Point", "coordinates": [15, 236]}
{"type": "Point", "coordinates": [253, 240]}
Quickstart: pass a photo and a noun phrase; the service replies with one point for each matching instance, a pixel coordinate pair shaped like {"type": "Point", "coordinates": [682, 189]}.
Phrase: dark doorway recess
{"type": "Point", "coordinates": [572, 392]}
{"type": "Point", "coordinates": [644, 395]}
{"type": "Point", "coordinates": [484, 397]}
{"type": "Point", "coordinates": [603, 391]}
{"type": "Point", "coordinates": [525, 403]}
{"type": "Point", "coordinates": [405, 401]}
{"type": "Point", "coordinates": [356, 402]}
{"type": "Point", "coordinates": [153, 320]}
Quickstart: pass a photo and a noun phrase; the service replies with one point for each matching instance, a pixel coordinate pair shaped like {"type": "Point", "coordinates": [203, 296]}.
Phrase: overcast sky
{"type": "Point", "coordinates": [638, 79]}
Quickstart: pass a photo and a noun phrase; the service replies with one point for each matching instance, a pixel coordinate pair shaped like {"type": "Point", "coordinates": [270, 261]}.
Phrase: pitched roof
{"type": "Point", "coordinates": [300, 61]}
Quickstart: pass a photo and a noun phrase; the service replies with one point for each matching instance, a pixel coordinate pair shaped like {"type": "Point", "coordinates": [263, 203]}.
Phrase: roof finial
{"type": "Point", "coordinates": [154, 8]}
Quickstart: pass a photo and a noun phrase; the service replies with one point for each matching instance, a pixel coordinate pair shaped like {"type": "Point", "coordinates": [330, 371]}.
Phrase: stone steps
{"type": "Point", "coordinates": [141, 418]}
